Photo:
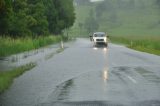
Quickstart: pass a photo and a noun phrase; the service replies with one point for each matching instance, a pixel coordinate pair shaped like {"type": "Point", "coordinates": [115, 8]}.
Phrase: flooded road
{"type": "Point", "coordinates": [33, 56]}
{"type": "Point", "coordinates": [82, 75]}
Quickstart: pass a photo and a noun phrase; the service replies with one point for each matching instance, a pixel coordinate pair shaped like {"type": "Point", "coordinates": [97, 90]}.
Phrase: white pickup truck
{"type": "Point", "coordinates": [99, 38]}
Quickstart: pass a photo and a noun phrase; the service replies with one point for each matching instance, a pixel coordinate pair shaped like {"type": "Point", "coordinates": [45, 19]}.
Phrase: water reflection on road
{"type": "Point", "coordinates": [105, 75]}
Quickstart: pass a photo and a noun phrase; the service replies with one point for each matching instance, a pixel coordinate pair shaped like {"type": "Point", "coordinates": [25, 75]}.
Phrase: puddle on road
{"type": "Point", "coordinates": [5, 66]}
{"type": "Point", "coordinates": [16, 60]}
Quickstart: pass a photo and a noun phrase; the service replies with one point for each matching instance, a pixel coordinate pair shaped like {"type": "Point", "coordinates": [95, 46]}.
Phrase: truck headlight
{"type": "Point", "coordinates": [105, 39]}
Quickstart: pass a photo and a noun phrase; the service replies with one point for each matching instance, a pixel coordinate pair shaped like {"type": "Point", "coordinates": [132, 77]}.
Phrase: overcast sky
{"type": "Point", "coordinates": [96, 0]}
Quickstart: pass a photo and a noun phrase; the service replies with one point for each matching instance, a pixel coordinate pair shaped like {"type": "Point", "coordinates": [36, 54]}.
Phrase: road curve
{"type": "Point", "coordinates": [86, 76]}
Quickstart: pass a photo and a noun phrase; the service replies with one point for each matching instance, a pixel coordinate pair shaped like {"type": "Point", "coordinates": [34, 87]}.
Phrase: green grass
{"type": "Point", "coordinates": [52, 54]}
{"type": "Point", "coordinates": [7, 77]}
{"type": "Point", "coordinates": [9, 46]}
{"type": "Point", "coordinates": [133, 32]}
{"type": "Point", "coordinates": [60, 50]}
{"type": "Point", "coordinates": [150, 44]}
{"type": "Point", "coordinates": [131, 22]}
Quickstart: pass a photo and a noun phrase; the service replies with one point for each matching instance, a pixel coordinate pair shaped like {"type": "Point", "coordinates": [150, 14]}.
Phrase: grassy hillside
{"type": "Point", "coordinates": [126, 21]}
{"type": "Point", "coordinates": [119, 19]}
{"type": "Point", "coordinates": [131, 22]}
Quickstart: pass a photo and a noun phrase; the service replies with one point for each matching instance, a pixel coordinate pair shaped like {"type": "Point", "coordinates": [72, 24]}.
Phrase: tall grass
{"type": "Point", "coordinates": [7, 77]}
{"type": "Point", "coordinates": [10, 46]}
{"type": "Point", "coordinates": [150, 44]}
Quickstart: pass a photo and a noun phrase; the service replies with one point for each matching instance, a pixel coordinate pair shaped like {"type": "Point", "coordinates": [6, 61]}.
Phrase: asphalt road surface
{"type": "Point", "coordinates": [82, 75]}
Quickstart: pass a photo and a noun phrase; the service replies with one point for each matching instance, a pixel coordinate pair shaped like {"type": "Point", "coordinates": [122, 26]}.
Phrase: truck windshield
{"type": "Point", "coordinates": [99, 35]}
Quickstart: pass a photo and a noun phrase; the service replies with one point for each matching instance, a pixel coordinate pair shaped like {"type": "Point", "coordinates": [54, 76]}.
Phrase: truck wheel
{"type": "Point", "coordinates": [106, 44]}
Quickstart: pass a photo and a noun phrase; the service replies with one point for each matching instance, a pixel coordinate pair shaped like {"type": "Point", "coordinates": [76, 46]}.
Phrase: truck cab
{"type": "Point", "coordinates": [99, 38]}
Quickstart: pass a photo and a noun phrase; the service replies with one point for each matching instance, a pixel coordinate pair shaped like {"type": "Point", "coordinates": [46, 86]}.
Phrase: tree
{"type": "Point", "coordinates": [5, 12]}
{"type": "Point", "coordinates": [82, 2]}
{"type": "Point", "coordinates": [38, 23]}
{"type": "Point", "coordinates": [80, 25]}
{"type": "Point", "coordinates": [35, 17]}
{"type": "Point", "coordinates": [91, 23]}
{"type": "Point", "coordinates": [100, 9]}
{"type": "Point", "coordinates": [2, 5]}
{"type": "Point", "coordinates": [66, 15]}
{"type": "Point", "coordinates": [18, 23]}
{"type": "Point", "coordinates": [52, 15]}
{"type": "Point", "coordinates": [131, 4]}
{"type": "Point", "coordinates": [158, 3]}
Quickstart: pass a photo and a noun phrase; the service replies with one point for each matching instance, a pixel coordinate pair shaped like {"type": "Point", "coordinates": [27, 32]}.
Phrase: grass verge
{"type": "Point", "coordinates": [11, 46]}
{"type": "Point", "coordinates": [7, 77]}
{"type": "Point", "coordinates": [52, 54]}
{"type": "Point", "coordinates": [60, 50]}
{"type": "Point", "coordinates": [149, 44]}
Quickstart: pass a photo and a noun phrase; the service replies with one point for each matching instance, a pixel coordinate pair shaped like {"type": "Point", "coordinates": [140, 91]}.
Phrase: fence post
{"type": "Point", "coordinates": [131, 44]}
{"type": "Point", "coordinates": [62, 45]}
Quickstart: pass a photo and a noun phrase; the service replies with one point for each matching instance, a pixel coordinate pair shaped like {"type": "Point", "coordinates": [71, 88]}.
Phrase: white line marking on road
{"type": "Point", "coordinates": [132, 79]}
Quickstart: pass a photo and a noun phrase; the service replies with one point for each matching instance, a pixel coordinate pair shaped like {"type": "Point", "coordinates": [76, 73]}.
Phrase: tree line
{"type": "Point", "coordinates": [110, 10]}
{"type": "Point", "coordinates": [110, 14]}
{"type": "Point", "coordinates": [82, 2]}
{"type": "Point", "coordinates": [35, 17]}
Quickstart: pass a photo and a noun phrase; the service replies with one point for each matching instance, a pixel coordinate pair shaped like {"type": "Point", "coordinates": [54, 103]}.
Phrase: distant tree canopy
{"type": "Point", "coordinates": [113, 12]}
{"type": "Point", "coordinates": [35, 17]}
{"type": "Point", "coordinates": [82, 2]}
{"type": "Point", "coordinates": [158, 3]}
{"type": "Point", "coordinates": [91, 23]}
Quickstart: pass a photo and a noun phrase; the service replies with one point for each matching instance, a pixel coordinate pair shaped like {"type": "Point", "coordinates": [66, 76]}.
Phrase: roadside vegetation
{"type": "Point", "coordinates": [20, 18]}
{"type": "Point", "coordinates": [31, 24]}
{"type": "Point", "coordinates": [150, 44]}
{"type": "Point", "coordinates": [7, 77]}
{"type": "Point", "coordinates": [125, 21]}
{"type": "Point", "coordinates": [28, 24]}
{"type": "Point", "coordinates": [10, 46]}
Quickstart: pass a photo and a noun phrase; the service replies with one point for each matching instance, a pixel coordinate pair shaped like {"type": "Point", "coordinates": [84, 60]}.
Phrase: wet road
{"type": "Point", "coordinates": [87, 76]}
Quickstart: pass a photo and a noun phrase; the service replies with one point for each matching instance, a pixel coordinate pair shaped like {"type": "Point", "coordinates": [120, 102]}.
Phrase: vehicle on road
{"type": "Point", "coordinates": [99, 38]}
